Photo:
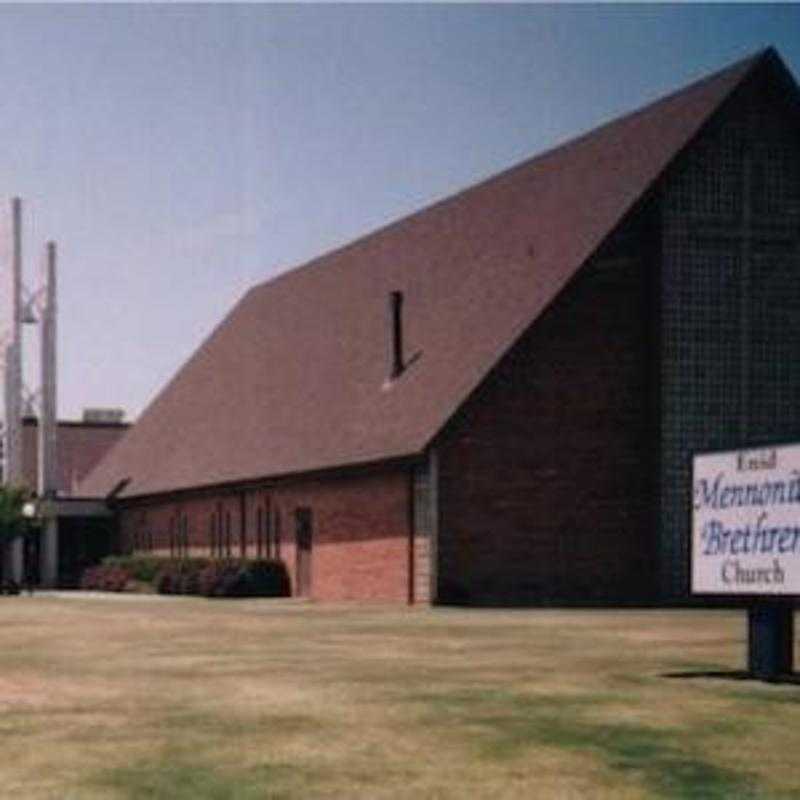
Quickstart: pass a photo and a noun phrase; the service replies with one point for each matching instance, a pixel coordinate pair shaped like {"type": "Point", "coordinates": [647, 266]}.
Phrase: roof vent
{"type": "Point", "coordinates": [396, 362]}
{"type": "Point", "coordinates": [104, 416]}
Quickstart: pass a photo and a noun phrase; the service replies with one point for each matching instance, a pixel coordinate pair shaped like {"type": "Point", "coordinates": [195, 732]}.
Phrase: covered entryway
{"type": "Point", "coordinates": [79, 534]}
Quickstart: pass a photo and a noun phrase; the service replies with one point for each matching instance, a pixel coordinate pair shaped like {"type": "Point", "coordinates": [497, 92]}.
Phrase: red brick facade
{"type": "Point", "coordinates": [544, 475]}
{"type": "Point", "coordinates": [361, 531]}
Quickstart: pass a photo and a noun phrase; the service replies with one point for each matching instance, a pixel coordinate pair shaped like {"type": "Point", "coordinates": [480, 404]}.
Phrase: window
{"type": "Point", "coordinates": [141, 535]}
{"type": "Point", "coordinates": [259, 531]}
{"type": "Point", "coordinates": [243, 527]}
{"type": "Point", "coordinates": [218, 532]}
{"type": "Point", "coordinates": [184, 544]}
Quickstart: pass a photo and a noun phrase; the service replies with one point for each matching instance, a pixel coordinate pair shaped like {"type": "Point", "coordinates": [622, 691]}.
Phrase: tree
{"type": "Point", "coordinates": [12, 521]}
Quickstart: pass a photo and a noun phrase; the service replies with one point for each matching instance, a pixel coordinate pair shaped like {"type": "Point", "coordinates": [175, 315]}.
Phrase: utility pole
{"type": "Point", "coordinates": [48, 426]}
{"type": "Point", "coordinates": [12, 445]}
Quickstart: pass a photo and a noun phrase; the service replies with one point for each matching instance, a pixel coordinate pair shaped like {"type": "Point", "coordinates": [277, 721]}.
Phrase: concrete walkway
{"type": "Point", "coordinates": [80, 594]}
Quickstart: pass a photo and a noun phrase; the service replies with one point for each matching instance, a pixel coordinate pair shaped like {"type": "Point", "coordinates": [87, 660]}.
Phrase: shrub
{"type": "Point", "coordinates": [208, 579]}
{"type": "Point", "coordinates": [165, 582]}
{"type": "Point", "coordinates": [179, 576]}
{"type": "Point", "coordinates": [198, 576]}
{"type": "Point", "coordinates": [105, 578]}
{"type": "Point", "coordinates": [190, 579]}
{"type": "Point", "coordinates": [139, 567]}
{"type": "Point", "coordinates": [245, 579]}
{"type": "Point", "coordinates": [217, 579]}
{"type": "Point", "coordinates": [269, 579]}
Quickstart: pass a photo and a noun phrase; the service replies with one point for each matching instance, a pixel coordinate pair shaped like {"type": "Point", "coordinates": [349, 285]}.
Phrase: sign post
{"type": "Point", "coordinates": [770, 640]}
{"type": "Point", "coordinates": [746, 544]}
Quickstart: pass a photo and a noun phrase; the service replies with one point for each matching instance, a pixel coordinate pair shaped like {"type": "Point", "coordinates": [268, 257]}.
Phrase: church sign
{"type": "Point", "coordinates": [746, 522]}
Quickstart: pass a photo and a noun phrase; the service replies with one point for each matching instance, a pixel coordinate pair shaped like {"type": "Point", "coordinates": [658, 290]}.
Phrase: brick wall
{"type": "Point", "coordinates": [360, 541]}
{"type": "Point", "coordinates": [545, 474]}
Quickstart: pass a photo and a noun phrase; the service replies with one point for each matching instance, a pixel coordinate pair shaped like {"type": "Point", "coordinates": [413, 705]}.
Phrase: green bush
{"type": "Point", "coordinates": [228, 579]}
{"type": "Point", "coordinates": [204, 576]}
{"type": "Point", "coordinates": [225, 579]}
{"type": "Point", "coordinates": [140, 568]}
{"type": "Point", "coordinates": [269, 579]}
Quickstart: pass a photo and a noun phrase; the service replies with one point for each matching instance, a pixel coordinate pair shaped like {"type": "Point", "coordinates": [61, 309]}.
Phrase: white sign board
{"type": "Point", "coordinates": [746, 522]}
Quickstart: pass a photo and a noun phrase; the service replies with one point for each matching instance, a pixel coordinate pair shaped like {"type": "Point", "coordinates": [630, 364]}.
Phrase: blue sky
{"type": "Point", "coordinates": [181, 153]}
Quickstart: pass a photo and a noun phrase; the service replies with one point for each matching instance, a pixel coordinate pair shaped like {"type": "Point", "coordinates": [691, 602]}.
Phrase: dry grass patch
{"type": "Point", "coordinates": [176, 698]}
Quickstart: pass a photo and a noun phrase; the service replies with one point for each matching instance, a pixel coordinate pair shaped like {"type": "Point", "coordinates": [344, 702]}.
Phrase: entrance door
{"type": "Point", "coordinates": [303, 540]}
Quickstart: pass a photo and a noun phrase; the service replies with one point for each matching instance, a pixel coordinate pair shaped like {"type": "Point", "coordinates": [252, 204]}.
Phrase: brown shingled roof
{"type": "Point", "coordinates": [81, 445]}
{"type": "Point", "coordinates": [294, 379]}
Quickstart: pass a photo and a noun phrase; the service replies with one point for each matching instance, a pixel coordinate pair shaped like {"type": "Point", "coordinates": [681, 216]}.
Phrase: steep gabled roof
{"type": "Point", "coordinates": [295, 378]}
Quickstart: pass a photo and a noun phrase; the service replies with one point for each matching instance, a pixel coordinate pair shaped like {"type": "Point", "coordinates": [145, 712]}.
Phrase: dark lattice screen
{"type": "Point", "coordinates": [730, 304]}
{"type": "Point", "coordinates": [422, 501]}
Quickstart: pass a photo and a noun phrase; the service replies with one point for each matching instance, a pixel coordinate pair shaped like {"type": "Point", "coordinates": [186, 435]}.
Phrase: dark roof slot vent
{"type": "Point", "coordinates": [396, 362]}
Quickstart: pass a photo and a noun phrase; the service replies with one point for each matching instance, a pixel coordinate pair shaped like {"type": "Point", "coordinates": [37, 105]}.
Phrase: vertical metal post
{"type": "Point", "coordinates": [48, 473]}
{"type": "Point", "coordinates": [14, 357]}
{"type": "Point", "coordinates": [48, 426]}
{"type": "Point", "coordinates": [13, 444]}
{"type": "Point", "coordinates": [770, 640]}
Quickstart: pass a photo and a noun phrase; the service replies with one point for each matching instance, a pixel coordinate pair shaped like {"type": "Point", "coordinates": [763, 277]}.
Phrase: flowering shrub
{"type": "Point", "coordinates": [179, 576]}
{"type": "Point", "coordinates": [105, 578]}
{"type": "Point", "coordinates": [197, 576]}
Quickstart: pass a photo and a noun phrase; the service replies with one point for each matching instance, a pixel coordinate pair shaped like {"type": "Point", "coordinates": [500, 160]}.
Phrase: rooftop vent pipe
{"type": "Point", "coordinates": [396, 361]}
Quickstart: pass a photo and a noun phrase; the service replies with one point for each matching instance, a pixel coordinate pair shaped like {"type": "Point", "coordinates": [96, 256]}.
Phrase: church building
{"type": "Point", "coordinates": [496, 400]}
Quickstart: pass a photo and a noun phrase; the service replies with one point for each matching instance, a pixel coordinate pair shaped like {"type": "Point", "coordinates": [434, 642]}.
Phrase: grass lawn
{"type": "Point", "coordinates": [151, 697]}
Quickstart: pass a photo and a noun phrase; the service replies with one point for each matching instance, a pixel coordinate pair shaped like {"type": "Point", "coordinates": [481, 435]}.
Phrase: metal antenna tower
{"type": "Point", "coordinates": [19, 307]}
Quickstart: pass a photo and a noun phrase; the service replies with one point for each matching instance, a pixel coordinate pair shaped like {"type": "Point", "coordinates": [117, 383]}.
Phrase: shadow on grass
{"type": "Point", "coordinates": [502, 725]}
{"type": "Point", "coordinates": [734, 675]}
